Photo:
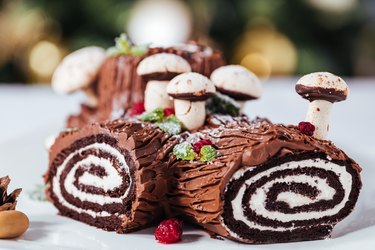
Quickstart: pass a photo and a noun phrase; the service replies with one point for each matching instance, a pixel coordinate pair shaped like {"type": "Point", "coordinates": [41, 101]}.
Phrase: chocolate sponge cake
{"type": "Point", "coordinates": [270, 183]}
{"type": "Point", "coordinates": [109, 175]}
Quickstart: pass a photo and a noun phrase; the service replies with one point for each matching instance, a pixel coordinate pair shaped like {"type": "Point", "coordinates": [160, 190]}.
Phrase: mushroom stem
{"type": "Point", "coordinates": [156, 96]}
{"type": "Point", "coordinates": [92, 99]}
{"type": "Point", "coordinates": [242, 105]}
{"type": "Point", "coordinates": [191, 114]}
{"type": "Point", "coordinates": [318, 115]}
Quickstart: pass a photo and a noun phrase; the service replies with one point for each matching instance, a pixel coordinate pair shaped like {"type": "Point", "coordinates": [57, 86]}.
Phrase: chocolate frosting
{"type": "Point", "coordinates": [319, 93]}
{"type": "Point", "coordinates": [196, 189]}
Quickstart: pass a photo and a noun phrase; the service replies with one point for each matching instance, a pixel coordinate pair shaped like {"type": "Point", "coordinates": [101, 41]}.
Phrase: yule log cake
{"type": "Point", "coordinates": [248, 180]}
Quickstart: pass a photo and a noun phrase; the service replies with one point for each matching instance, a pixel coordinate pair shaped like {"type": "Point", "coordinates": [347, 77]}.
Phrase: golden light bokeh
{"type": "Point", "coordinates": [43, 59]}
{"type": "Point", "coordinates": [258, 64]}
{"type": "Point", "coordinates": [266, 52]}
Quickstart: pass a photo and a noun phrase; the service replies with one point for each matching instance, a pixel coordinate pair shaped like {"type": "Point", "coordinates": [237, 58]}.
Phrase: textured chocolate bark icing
{"type": "Point", "coordinates": [198, 190]}
{"type": "Point", "coordinates": [140, 143]}
{"type": "Point", "coordinates": [119, 86]}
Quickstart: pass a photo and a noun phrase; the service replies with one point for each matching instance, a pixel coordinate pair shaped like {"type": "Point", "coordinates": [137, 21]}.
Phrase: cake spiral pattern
{"type": "Point", "coordinates": [288, 200]}
{"type": "Point", "coordinates": [95, 176]}
{"type": "Point", "coordinates": [269, 184]}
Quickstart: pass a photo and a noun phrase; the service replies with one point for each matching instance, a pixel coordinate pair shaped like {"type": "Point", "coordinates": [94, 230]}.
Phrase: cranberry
{"type": "Point", "coordinates": [137, 109]}
{"type": "Point", "coordinates": [306, 128]}
{"type": "Point", "coordinates": [169, 231]}
{"type": "Point", "coordinates": [199, 144]}
{"type": "Point", "coordinates": [168, 111]}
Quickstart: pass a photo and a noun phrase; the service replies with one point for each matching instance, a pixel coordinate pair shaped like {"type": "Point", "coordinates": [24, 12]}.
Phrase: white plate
{"type": "Point", "coordinates": [29, 115]}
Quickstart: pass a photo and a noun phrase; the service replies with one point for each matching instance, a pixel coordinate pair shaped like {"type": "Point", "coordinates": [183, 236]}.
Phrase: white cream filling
{"type": "Point", "coordinates": [257, 200]}
{"type": "Point", "coordinates": [109, 182]}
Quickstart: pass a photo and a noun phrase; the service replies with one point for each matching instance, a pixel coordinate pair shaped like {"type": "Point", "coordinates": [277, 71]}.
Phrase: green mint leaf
{"type": "Point", "coordinates": [123, 46]}
{"type": "Point", "coordinates": [207, 153]}
{"type": "Point", "coordinates": [170, 125]}
{"type": "Point", "coordinates": [156, 115]}
{"type": "Point", "coordinates": [221, 104]}
{"type": "Point", "coordinates": [37, 194]}
{"type": "Point", "coordinates": [184, 151]}
{"type": "Point", "coordinates": [123, 43]}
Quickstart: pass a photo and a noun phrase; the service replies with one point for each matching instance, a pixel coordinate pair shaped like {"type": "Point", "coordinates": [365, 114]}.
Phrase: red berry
{"type": "Point", "coordinates": [137, 109]}
{"type": "Point", "coordinates": [169, 231]}
{"type": "Point", "coordinates": [168, 112]}
{"type": "Point", "coordinates": [199, 144]}
{"type": "Point", "coordinates": [306, 128]}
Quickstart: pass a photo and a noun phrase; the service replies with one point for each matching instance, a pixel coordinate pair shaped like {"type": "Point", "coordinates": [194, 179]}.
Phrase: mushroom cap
{"type": "Point", "coordinates": [78, 70]}
{"type": "Point", "coordinates": [191, 86]}
{"type": "Point", "coordinates": [237, 82]}
{"type": "Point", "coordinates": [163, 63]}
{"type": "Point", "coordinates": [322, 86]}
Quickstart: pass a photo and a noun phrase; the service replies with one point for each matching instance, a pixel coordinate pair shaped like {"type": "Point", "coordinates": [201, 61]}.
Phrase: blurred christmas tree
{"type": "Point", "coordinates": [270, 37]}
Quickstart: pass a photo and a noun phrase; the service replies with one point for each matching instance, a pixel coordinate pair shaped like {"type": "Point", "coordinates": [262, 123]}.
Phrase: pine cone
{"type": "Point", "coordinates": [7, 202]}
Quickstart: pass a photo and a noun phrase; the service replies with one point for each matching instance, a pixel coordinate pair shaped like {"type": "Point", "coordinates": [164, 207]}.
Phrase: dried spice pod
{"type": "Point", "coordinates": [7, 202]}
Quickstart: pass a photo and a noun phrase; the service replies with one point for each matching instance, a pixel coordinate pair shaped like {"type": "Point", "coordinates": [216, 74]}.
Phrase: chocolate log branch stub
{"type": "Point", "coordinates": [322, 89]}
{"type": "Point", "coordinates": [158, 69]}
{"type": "Point", "coordinates": [119, 86]}
{"type": "Point", "coordinates": [78, 71]}
{"type": "Point", "coordinates": [190, 90]}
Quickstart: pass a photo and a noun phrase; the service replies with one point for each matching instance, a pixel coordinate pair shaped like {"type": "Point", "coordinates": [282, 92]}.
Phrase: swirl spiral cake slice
{"type": "Point", "coordinates": [270, 183]}
{"type": "Point", "coordinates": [108, 175]}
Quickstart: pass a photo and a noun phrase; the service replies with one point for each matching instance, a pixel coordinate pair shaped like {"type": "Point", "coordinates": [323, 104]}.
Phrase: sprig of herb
{"type": "Point", "coordinates": [123, 46]}
{"type": "Point", "coordinates": [170, 125]}
{"type": "Point", "coordinates": [207, 153]}
{"type": "Point", "coordinates": [221, 104]}
{"type": "Point", "coordinates": [184, 151]}
{"type": "Point", "coordinates": [156, 115]}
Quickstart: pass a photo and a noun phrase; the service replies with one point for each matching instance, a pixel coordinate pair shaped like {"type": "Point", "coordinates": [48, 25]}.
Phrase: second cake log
{"type": "Point", "coordinates": [269, 183]}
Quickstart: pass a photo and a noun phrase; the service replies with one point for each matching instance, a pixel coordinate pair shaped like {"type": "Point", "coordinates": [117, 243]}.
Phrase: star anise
{"type": "Point", "coordinates": [7, 202]}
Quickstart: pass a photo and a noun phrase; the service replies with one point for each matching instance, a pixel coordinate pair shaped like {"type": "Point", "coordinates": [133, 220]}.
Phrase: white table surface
{"type": "Point", "coordinates": [29, 114]}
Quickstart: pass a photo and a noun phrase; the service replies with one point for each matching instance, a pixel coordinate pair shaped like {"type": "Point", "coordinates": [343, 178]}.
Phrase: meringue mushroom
{"type": "Point", "coordinates": [322, 89]}
{"type": "Point", "coordinates": [237, 82]}
{"type": "Point", "coordinates": [158, 69]}
{"type": "Point", "coordinates": [190, 90]}
{"type": "Point", "coordinates": [78, 71]}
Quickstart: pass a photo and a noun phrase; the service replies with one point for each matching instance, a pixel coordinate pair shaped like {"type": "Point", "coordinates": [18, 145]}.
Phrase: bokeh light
{"type": "Point", "coordinates": [271, 38]}
{"type": "Point", "coordinates": [43, 59]}
{"type": "Point", "coordinates": [266, 51]}
{"type": "Point", "coordinates": [160, 22]}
